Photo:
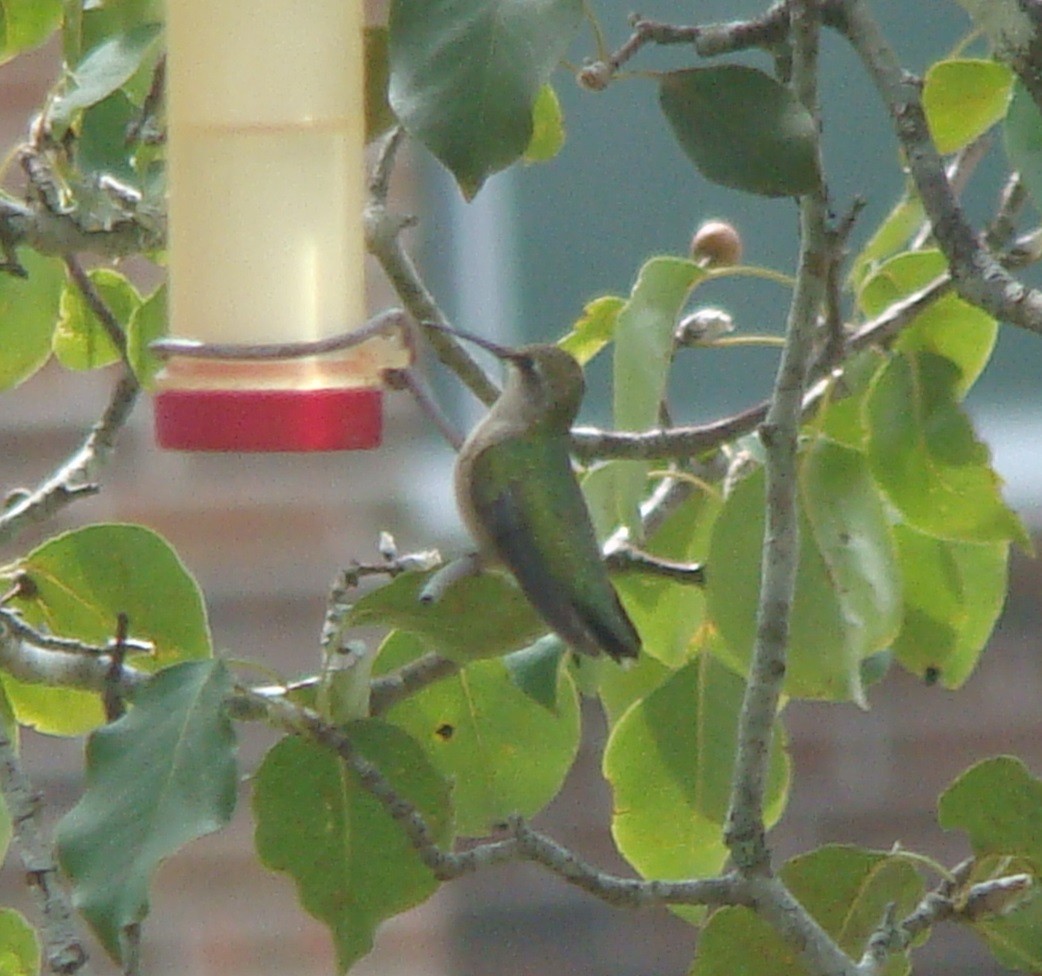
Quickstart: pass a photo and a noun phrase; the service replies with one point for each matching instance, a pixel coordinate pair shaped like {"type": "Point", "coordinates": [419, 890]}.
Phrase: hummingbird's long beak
{"type": "Point", "coordinates": [501, 352]}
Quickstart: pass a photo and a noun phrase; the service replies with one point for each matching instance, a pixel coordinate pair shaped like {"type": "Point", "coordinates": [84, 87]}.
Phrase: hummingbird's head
{"type": "Point", "coordinates": [548, 380]}
{"type": "Point", "coordinates": [544, 386]}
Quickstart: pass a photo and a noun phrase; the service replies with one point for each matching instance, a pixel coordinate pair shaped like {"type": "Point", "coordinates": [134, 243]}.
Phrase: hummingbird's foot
{"type": "Point", "coordinates": [450, 573]}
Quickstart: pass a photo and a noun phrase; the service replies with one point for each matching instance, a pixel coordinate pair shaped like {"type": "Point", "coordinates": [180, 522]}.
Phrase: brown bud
{"type": "Point", "coordinates": [716, 244]}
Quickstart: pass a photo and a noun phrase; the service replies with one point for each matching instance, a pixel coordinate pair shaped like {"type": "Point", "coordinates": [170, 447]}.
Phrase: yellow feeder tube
{"type": "Point", "coordinates": [266, 137]}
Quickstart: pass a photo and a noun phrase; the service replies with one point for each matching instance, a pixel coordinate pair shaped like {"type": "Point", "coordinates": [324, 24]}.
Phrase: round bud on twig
{"type": "Point", "coordinates": [716, 244]}
{"type": "Point", "coordinates": [703, 327]}
{"type": "Point", "coordinates": [594, 76]}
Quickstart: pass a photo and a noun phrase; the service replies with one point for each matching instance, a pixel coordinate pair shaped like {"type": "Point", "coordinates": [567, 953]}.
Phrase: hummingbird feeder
{"type": "Point", "coordinates": [266, 135]}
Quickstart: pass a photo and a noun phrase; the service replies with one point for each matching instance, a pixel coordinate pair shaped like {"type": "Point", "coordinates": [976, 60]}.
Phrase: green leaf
{"type": "Point", "coordinates": [19, 946]}
{"type": "Point", "coordinates": [953, 594]}
{"type": "Point", "coordinates": [642, 357]}
{"type": "Point", "coordinates": [450, 625]}
{"type": "Point", "coordinates": [1015, 939]}
{"type": "Point", "coordinates": [465, 75]}
{"type": "Point", "coordinates": [594, 329]}
{"type": "Point", "coordinates": [999, 804]}
{"type": "Point", "coordinates": [104, 70]}
{"type": "Point", "coordinates": [668, 613]}
{"type": "Point", "coordinates": [351, 861]}
{"type": "Point", "coordinates": [949, 327]}
{"type": "Point", "coordinates": [535, 670]}
{"type": "Point", "coordinates": [148, 322]}
{"type": "Point", "coordinates": [81, 581]}
{"type": "Point", "coordinates": [1022, 134]}
{"type": "Point", "coordinates": [963, 98]}
{"type": "Point", "coordinates": [842, 417]}
{"type": "Point", "coordinates": [925, 456]}
{"type": "Point", "coordinates": [669, 761]}
{"type": "Point", "coordinates": [848, 590]}
{"type": "Point", "coordinates": [846, 889]}
{"type": "Point", "coordinates": [742, 129]}
{"type": "Point", "coordinates": [102, 146]}
{"type": "Point", "coordinates": [379, 116]}
{"type": "Point", "coordinates": [547, 127]}
{"type": "Point", "coordinates": [505, 752]}
{"type": "Point", "coordinates": [28, 312]}
{"type": "Point", "coordinates": [161, 776]}
{"type": "Point", "coordinates": [80, 341]}
{"type": "Point", "coordinates": [735, 942]}
{"type": "Point", "coordinates": [25, 24]}
{"type": "Point", "coordinates": [892, 234]}
{"type": "Point", "coordinates": [621, 688]}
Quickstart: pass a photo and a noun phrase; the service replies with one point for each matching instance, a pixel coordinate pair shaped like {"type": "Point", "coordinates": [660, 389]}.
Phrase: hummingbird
{"type": "Point", "coordinates": [520, 500]}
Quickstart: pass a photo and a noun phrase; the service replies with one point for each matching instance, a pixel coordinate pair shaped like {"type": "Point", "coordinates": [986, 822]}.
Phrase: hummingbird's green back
{"type": "Point", "coordinates": [524, 506]}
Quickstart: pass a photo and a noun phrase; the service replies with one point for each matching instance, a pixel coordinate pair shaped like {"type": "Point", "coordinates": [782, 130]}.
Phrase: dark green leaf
{"type": "Point", "coordinates": [102, 145]}
{"type": "Point", "coordinates": [535, 669]}
{"type": "Point", "coordinates": [105, 69]}
{"type": "Point", "coordinates": [742, 129]}
{"type": "Point", "coordinates": [161, 776]}
{"type": "Point", "coordinates": [378, 114]}
{"type": "Point", "coordinates": [351, 861]}
{"type": "Point", "coordinates": [148, 322]}
{"type": "Point", "coordinates": [1023, 138]}
{"type": "Point", "coordinates": [465, 75]}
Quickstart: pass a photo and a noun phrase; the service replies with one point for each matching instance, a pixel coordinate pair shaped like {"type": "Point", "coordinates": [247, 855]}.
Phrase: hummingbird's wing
{"type": "Point", "coordinates": [532, 514]}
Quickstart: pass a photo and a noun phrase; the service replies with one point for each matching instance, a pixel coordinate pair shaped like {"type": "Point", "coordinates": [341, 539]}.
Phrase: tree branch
{"type": "Point", "coordinates": [413, 677]}
{"type": "Point", "coordinates": [977, 274]}
{"type": "Point", "coordinates": [77, 476]}
{"type": "Point", "coordinates": [745, 833]}
{"type": "Point", "coordinates": [383, 239]}
{"type": "Point", "coordinates": [63, 949]}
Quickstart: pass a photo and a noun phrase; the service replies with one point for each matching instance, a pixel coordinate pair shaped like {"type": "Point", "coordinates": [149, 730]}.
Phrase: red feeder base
{"type": "Point", "coordinates": [269, 420]}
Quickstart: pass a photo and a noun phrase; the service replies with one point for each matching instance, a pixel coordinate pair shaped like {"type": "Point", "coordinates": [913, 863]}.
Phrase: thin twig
{"type": "Point", "coordinates": [626, 559]}
{"type": "Point", "coordinates": [77, 477]}
{"type": "Point", "coordinates": [383, 239]}
{"type": "Point", "coordinates": [409, 379]}
{"type": "Point", "coordinates": [978, 275]}
{"type": "Point", "coordinates": [744, 832]}
{"type": "Point", "coordinates": [112, 326]}
{"type": "Point", "coordinates": [64, 951]}
{"type": "Point", "coordinates": [413, 677]}
{"type": "Point", "coordinates": [17, 627]}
